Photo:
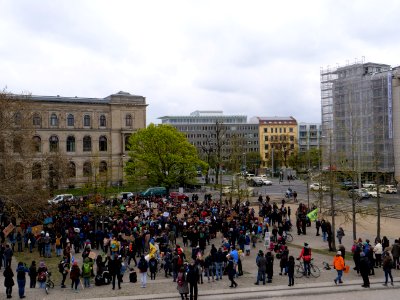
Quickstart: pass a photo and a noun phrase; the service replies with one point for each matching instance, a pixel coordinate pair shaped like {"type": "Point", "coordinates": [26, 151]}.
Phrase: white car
{"type": "Point", "coordinates": [316, 187]}
{"type": "Point", "coordinates": [60, 198]}
{"type": "Point", "coordinates": [368, 185]}
{"type": "Point", "coordinates": [266, 182]}
{"type": "Point", "coordinates": [388, 189]}
{"type": "Point", "coordinates": [371, 192]}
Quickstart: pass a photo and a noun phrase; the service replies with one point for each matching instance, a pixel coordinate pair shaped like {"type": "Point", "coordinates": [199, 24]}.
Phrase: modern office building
{"type": "Point", "coordinates": [90, 133]}
{"type": "Point", "coordinates": [200, 128]}
{"type": "Point", "coordinates": [357, 103]}
{"type": "Point", "coordinates": [278, 140]}
{"type": "Point", "coordinates": [309, 136]}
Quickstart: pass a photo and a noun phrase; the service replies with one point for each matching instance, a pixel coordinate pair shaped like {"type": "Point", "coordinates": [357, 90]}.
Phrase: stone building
{"type": "Point", "coordinates": [90, 133]}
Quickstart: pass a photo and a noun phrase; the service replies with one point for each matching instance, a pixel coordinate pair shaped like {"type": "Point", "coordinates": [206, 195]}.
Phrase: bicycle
{"type": "Point", "coordinates": [49, 282]}
{"type": "Point", "coordinates": [287, 237]}
{"type": "Point", "coordinates": [299, 270]}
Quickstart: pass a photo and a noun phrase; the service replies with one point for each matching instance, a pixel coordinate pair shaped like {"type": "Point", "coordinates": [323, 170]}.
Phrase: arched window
{"type": "Point", "coordinates": [87, 169]}
{"type": "Point", "coordinates": [17, 144]}
{"type": "Point", "coordinates": [127, 142]}
{"type": "Point", "coordinates": [2, 172]}
{"type": "Point", "coordinates": [70, 144]}
{"type": "Point", "coordinates": [37, 143]}
{"type": "Point", "coordinates": [86, 120]}
{"type": "Point", "coordinates": [71, 170]}
{"type": "Point", "coordinates": [102, 143]}
{"type": "Point", "coordinates": [128, 120]}
{"type": "Point", "coordinates": [103, 121]}
{"type": "Point", "coordinates": [18, 171]}
{"type": "Point", "coordinates": [36, 120]}
{"type": "Point", "coordinates": [17, 119]}
{"type": "Point", "coordinates": [70, 120]}
{"type": "Point", "coordinates": [53, 142]}
{"type": "Point", "coordinates": [53, 120]}
{"type": "Point", "coordinates": [87, 143]}
{"type": "Point", "coordinates": [36, 171]}
{"type": "Point", "coordinates": [103, 167]}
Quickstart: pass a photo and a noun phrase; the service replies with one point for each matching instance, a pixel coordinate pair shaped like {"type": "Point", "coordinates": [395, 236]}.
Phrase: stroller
{"type": "Point", "coordinates": [103, 278]}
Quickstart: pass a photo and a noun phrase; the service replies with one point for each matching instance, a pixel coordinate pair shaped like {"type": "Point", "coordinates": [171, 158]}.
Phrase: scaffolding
{"type": "Point", "coordinates": [356, 117]}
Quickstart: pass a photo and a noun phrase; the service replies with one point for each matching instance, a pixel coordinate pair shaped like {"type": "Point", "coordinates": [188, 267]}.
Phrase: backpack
{"type": "Point", "coordinates": [61, 266]}
{"type": "Point", "coordinates": [180, 260]}
{"type": "Point", "coordinates": [42, 277]}
{"type": "Point", "coordinates": [133, 277]}
{"type": "Point", "coordinates": [86, 270]}
{"type": "Point", "coordinates": [180, 279]}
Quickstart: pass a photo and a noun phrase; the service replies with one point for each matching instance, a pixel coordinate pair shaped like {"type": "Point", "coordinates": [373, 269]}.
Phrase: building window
{"type": "Point", "coordinates": [53, 120]}
{"type": "Point", "coordinates": [266, 138]}
{"type": "Point", "coordinates": [102, 143]}
{"type": "Point", "coordinates": [36, 120]}
{"type": "Point", "coordinates": [265, 130]}
{"type": "Point", "coordinates": [128, 120]}
{"type": "Point", "coordinates": [17, 144]}
{"type": "Point", "coordinates": [36, 171]}
{"type": "Point", "coordinates": [70, 120]}
{"type": "Point", "coordinates": [127, 145]}
{"type": "Point", "coordinates": [70, 144]}
{"type": "Point", "coordinates": [103, 121]}
{"type": "Point", "coordinates": [71, 170]}
{"type": "Point", "coordinates": [86, 121]}
{"type": "Point", "coordinates": [87, 143]}
{"type": "Point", "coordinates": [17, 119]}
{"type": "Point", "coordinates": [53, 142]}
{"type": "Point", "coordinates": [2, 172]}
{"type": "Point", "coordinates": [37, 143]}
{"type": "Point", "coordinates": [291, 129]}
{"type": "Point", "coordinates": [18, 171]}
{"type": "Point", "coordinates": [87, 169]}
{"type": "Point", "coordinates": [103, 167]}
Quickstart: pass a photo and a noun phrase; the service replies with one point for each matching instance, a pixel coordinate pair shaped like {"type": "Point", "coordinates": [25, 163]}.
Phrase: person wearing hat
{"type": "Point", "coordinates": [338, 265]}
{"type": "Point", "coordinates": [262, 267]}
{"type": "Point", "coordinates": [42, 270]}
{"type": "Point", "coordinates": [306, 255]}
{"type": "Point", "coordinates": [74, 275]}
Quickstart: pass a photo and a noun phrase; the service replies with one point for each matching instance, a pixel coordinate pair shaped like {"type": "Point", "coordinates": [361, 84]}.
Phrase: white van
{"type": "Point", "coordinates": [60, 198]}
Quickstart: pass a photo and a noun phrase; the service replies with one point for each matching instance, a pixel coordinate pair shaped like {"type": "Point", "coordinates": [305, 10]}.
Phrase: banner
{"type": "Point", "coordinates": [92, 255]}
{"type": "Point", "coordinates": [313, 215]}
{"type": "Point", "coordinates": [37, 229]}
{"type": "Point", "coordinates": [8, 229]}
{"type": "Point", "coordinates": [267, 240]}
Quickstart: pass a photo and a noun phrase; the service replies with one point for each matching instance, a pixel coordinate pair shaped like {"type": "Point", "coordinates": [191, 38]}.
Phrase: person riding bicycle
{"type": "Point", "coordinates": [306, 255]}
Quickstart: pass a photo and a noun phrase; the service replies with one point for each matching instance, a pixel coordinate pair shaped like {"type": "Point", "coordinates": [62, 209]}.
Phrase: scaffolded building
{"type": "Point", "coordinates": [357, 120]}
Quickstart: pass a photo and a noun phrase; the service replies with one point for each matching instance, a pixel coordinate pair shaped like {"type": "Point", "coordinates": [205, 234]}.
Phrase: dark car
{"type": "Point", "coordinates": [349, 185]}
{"type": "Point", "coordinates": [179, 196]}
{"type": "Point", "coordinates": [359, 194]}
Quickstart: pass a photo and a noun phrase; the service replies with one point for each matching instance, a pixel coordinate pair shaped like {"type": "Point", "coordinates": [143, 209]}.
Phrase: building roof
{"type": "Point", "coordinates": [274, 120]}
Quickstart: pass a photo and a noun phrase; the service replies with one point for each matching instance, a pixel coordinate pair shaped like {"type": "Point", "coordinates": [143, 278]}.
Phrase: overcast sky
{"type": "Point", "coordinates": [254, 58]}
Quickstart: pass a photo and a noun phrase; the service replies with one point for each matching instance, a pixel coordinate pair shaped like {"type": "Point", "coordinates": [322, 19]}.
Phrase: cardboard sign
{"type": "Point", "coordinates": [166, 214]}
{"type": "Point", "coordinates": [267, 240]}
{"type": "Point", "coordinates": [37, 229]}
{"type": "Point", "coordinates": [8, 229]}
{"type": "Point", "coordinates": [129, 209]}
{"type": "Point", "coordinates": [92, 255]}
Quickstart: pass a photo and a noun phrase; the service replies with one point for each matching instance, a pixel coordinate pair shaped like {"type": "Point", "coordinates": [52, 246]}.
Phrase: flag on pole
{"type": "Point", "coordinates": [313, 215]}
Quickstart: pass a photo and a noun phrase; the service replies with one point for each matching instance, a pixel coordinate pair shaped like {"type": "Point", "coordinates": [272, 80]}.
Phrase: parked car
{"type": "Point", "coordinates": [372, 192]}
{"type": "Point", "coordinates": [368, 184]}
{"type": "Point", "coordinates": [388, 189]}
{"type": "Point", "coordinates": [348, 185]}
{"type": "Point", "coordinates": [316, 187]}
{"type": "Point", "coordinates": [179, 196]}
{"type": "Point", "coordinates": [125, 195]}
{"type": "Point", "coordinates": [266, 181]}
{"type": "Point", "coordinates": [359, 194]}
{"type": "Point", "coordinates": [154, 191]}
{"type": "Point", "coordinates": [61, 198]}
{"type": "Point", "coordinates": [255, 181]}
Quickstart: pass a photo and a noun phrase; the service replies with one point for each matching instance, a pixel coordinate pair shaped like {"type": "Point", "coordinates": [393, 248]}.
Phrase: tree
{"type": "Point", "coordinates": [161, 156]}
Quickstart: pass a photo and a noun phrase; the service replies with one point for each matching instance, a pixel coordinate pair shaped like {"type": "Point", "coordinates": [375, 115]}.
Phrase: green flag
{"type": "Point", "coordinates": [313, 215]}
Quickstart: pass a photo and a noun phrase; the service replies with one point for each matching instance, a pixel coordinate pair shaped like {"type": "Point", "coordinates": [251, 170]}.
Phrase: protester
{"type": "Point", "coordinates": [143, 266]}
{"type": "Point", "coordinates": [42, 275]}
{"type": "Point", "coordinates": [21, 279]}
{"type": "Point", "coordinates": [8, 281]}
{"type": "Point", "coordinates": [75, 275]}
{"type": "Point", "coordinates": [306, 255]}
{"type": "Point", "coordinates": [290, 270]}
{"type": "Point", "coordinates": [387, 267]}
{"type": "Point", "coordinates": [33, 274]}
{"type": "Point", "coordinates": [182, 284]}
{"type": "Point", "coordinates": [338, 265]}
{"type": "Point", "coordinates": [364, 266]}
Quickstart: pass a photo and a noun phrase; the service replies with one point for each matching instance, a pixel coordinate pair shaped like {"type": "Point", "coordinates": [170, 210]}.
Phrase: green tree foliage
{"type": "Point", "coordinates": [162, 156]}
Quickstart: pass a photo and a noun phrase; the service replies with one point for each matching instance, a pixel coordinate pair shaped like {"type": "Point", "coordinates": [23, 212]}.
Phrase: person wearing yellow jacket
{"type": "Point", "coordinates": [338, 265]}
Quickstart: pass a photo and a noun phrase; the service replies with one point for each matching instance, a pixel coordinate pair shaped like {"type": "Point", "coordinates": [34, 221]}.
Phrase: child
{"type": "Point", "coordinates": [153, 267]}
{"type": "Point", "coordinates": [290, 268]}
{"type": "Point", "coordinates": [74, 275]}
{"type": "Point", "coordinates": [33, 274]}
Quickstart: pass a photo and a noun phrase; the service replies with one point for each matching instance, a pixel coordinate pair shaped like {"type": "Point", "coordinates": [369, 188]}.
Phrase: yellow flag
{"type": "Point", "coordinates": [313, 215]}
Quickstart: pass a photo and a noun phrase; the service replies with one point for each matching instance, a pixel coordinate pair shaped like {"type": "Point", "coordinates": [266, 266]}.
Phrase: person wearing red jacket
{"type": "Point", "coordinates": [306, 255]}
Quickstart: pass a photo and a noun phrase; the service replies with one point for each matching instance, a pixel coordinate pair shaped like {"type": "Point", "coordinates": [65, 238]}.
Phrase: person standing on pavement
{"type": "Point", "coordinates": [230, 267]}
{"type": "Point", "coordinates": [33, 274]}
{"type": "Point", "coordinates": [378, 250]}
{"type": "Point", "coordinates": [340, 234]}
{"type": "Point", "coordinates": [317, 226]}
{"type": "Point", "coordinates": [142, 266]}
{"type": "Point", "coordinates": [261, 263]}
{"type": "Point", "coordinates": [8, 281]}
{"type": "Point", "coordinates": [193, 278]}
{"type": "Point", "coordinates": [182, 284]}
{"type": "Point", "coordinates": [338, 265]}
{"type": "Point", "coordinates": [396, 254]}
{"type": "Point", "coordinates": [21, 279]}
{"type": "Point", "coordinates": [290, 270]}
{"type": "Point", "coordinates": [364, 269]}
{"type": "Point", "coordinates": [387, 267]}
{"type": "Point", "coordinates": [75, 275]}
{"type": "Point", "coordinates": [323, 230]}
{"type": "Point", "coordinates": [270, 266]}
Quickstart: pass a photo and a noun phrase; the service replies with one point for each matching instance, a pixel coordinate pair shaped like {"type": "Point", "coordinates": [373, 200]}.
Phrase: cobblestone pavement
{"type": "Point", "coordinates": [163, 285]}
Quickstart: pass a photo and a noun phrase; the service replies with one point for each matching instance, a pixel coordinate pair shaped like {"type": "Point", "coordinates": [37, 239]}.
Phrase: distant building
{"type": "Point", "coordinates": [200, 129]}
{"type": "Point", "coordinates": [278, 140]}
{"type": "Point", "coordinates": [91, 133]}
{"type": "Point", "coordinates": [358, 116]}
{"type": "Point", "coordinates": [309, 136]}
